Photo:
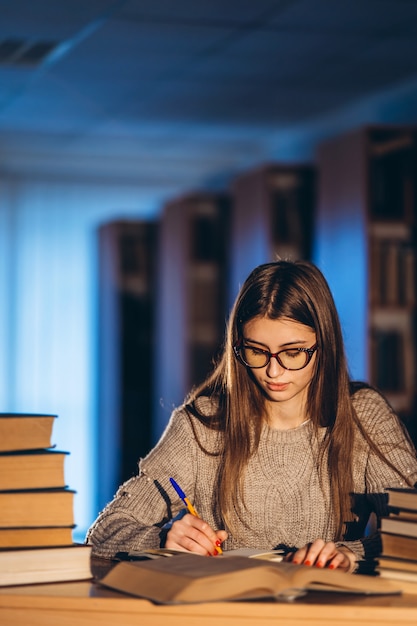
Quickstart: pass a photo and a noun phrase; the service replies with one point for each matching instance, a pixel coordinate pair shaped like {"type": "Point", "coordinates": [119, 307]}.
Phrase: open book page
{"type": "Point", "coordinates": [253, 553]}
{"type": "Point", "coordinates": [149, 553]}
{"type": "Point", "coordinates": [189, 578]}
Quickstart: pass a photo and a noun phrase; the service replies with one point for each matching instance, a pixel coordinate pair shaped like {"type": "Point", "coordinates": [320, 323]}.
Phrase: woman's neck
{"type": "Point", "coordinates": [286, 415]}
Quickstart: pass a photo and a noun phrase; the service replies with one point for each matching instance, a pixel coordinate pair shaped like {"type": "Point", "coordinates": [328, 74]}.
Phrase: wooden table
{"type": "Point", "coordinates": [86, 603]}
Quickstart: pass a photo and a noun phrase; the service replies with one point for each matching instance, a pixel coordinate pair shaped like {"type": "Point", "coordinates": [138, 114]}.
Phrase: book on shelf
{"type": "Point", "coordinates": [190, 578]}
{"type": "Point", "coordinates": [392, 272]}
{"type": "Point", "coordinates": [407, 270]}
{"type": "Point", "coordinates": [41, 536]}
{"type": "Point", "coordinates": [37, 507]}
{"type": "Point", "coordinates": [390, 176]}
{"type": "Point", "coordinates": [41, 565]}
{"type": "Point", "coordinates": [387, 356]}
{"type": "Point", "coordinates": [25, 431]}
{"type": "Point", "coordinates": [32, 469]}
{"type": "Point", "coordinates": [387, 141]}
{"type": "Point", "coordinates": [390, 269]}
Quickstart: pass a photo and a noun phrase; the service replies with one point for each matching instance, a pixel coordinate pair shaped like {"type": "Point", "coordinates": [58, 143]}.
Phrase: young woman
{"type": "Point", "coordinates": [276, 448]}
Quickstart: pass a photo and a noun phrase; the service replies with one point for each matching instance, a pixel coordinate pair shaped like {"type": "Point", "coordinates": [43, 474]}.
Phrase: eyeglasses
{"type": "Point", "coordinates": [289, 359]}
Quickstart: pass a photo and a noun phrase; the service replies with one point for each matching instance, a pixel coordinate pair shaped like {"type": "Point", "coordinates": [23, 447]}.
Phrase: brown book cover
{"type": "Point", "coordinates": [43, 507]}
{"type": "Point", "coordinates": [32, 469]}
{"type": "Point", "coordinates": [41, 565]}
{"type": "Point", "coordinates": [21, 431]}
{"type": "Point", "coordinates": [391, 562]}
{"type": "Point", "coordinates": [399, 526]}
{"type": "Point", "coordinates": [398, 546]}
{"type": "Point", "coordinates": [403, 514]}
{"type": "Point", "coordinates": [402, 498]}
{"type": "Point", "coordinates": [403, 577]}
{"type": "Point", "coordinates": [42, 536]}
{"type": "Point", "coordinates": [190, 578]}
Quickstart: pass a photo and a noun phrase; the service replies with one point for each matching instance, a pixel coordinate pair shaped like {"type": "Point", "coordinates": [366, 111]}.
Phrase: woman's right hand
{"type": "Point", "coordinates": [192, 534]}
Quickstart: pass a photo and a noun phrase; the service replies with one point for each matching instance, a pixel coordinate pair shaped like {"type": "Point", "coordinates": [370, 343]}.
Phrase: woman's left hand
{"type": "Point", "coordinates": [324, 554]}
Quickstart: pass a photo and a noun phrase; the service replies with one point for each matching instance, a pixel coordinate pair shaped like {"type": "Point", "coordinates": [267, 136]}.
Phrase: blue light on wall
{"type": "Point", "coordinates": [48, 282]}
{"type": "Point", "coordinates": [347, 282]}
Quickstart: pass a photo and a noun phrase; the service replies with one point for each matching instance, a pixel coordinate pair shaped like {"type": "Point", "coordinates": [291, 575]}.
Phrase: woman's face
{"type": "Point", "coordinates": [280, 384]}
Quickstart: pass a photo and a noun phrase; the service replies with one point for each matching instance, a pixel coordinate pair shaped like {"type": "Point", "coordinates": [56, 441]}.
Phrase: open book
{"type": "Point", "coordinates": [190, 578]}
{"type": "Point", "coordinates": [155, 553]}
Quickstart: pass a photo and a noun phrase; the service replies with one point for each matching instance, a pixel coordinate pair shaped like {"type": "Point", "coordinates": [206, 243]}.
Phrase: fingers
{"type": "Point", "coordinates": [221, 535]}
{"type": "Point", "coordinates": [324, 554]}
{"type": "Point", "coordinates": [193, 534]}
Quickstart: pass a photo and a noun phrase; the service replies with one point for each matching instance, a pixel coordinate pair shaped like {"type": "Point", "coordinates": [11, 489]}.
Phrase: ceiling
{"type": "Point", "coordinates": [183, 94]}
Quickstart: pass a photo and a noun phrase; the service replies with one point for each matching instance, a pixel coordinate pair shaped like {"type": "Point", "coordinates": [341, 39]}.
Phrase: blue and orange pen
{"type": "Point", "coordinates": [189, 506]}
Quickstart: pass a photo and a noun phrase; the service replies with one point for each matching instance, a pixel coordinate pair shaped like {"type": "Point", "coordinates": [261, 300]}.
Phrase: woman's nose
{"type": "Point", "coordinates": [274, 368]}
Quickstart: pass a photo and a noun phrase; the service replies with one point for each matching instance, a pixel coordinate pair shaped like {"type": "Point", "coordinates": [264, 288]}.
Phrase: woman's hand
{"type": "Point", "coordinates": [322, 554]}
{"type": "Point", "coordinates": [192, 534]}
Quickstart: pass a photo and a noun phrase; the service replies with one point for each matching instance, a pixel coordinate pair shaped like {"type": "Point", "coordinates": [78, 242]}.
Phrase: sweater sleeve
{"type": "Point", "coordinates": [133, 520]}
{"type": "Point", "coordinates": [391, 438]}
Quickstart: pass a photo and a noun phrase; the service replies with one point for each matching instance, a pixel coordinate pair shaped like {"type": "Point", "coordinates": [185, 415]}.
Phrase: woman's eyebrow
{"type": "Point", "coordinates": [249, 340]}
{"type": "Point", "coordinates": [283, 345]}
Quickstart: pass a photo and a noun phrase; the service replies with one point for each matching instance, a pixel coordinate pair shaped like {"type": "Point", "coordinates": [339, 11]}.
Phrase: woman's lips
{"type": "Point", "coordinates": [277, 386]}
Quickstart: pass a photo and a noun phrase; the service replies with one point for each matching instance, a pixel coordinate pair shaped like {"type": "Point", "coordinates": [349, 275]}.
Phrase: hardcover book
{"type": "Point", "coordinates": [399, 526]}
{"type": "Point", "coordinates": [398, 546]}
{"type": "Point", "coordinates": [402, 498]}
{"type": "Point", "coordinates": [41, 565]}
{"type": "Point", "coordinates": [21, 431]}
{"type": "Point", "coordinates": [190, 578]}
{"type": "Point", "coordinates": [48, 507]}
{"type": "Point", "coordinates": [42, 536]}
{"type": "Point", "coordinates": [32, 469]}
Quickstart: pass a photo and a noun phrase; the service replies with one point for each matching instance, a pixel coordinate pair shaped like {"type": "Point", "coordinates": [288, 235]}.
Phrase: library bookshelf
{"type": "Point", "coordinates": [126, 254]}
{"type": "Point", "coordinates": [366, 245]}
{"type": "Point", "coordinates": [193, 282]}
{"type": "Point", "coordinates": [273, 215]}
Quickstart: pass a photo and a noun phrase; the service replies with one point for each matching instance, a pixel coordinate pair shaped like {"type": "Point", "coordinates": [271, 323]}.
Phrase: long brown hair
{"type": "Point", "coordinates": [298, 291]}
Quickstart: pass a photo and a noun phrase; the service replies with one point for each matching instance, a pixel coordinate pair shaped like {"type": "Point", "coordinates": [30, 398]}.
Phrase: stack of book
{"type": "Point", "coordinates": [36, 506]}
{"type": "Point", "coordinates": [399, 536]}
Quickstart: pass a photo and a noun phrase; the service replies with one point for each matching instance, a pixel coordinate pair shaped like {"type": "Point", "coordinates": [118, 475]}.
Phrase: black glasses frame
{"type": "Point", "coordinates": [309, 352]}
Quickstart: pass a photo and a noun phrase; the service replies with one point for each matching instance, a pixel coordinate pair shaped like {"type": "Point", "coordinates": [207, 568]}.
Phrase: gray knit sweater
{"type": "Point", "coordinates": [286, 502]}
